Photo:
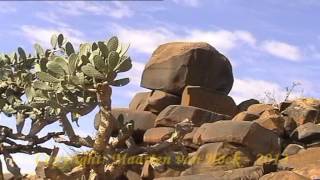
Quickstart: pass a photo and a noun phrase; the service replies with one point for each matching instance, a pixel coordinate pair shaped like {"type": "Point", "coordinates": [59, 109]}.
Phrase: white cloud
{"type": "Point", "coordinates": [191, 3]}
{"type": "Point", "coordinates": [282, 50]}
{"type": "Point", "coordinates": [113, 9]}
{"type": "Point", "coordinates": [223, 40]}
{"type": "Point", "coordinates": [52, 18]}
{"type": "Point", "coordinates": [248, 88]}
{"type": "Point", "coordinates": [147, 40]}
{"type": "Point", "coordinates": [41, 35]}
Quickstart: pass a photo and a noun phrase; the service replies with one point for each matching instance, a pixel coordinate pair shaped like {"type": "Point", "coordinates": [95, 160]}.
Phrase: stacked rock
{"type": "Point", "coordinates": [246, 141]}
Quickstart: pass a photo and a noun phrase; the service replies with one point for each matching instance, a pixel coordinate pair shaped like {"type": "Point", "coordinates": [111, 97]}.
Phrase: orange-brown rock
{"type": "Point", "coordinates": [258, 109]}
{"type": "Point", "coordinates": [304, 110]}
{"type": "Point", "coordinates": [311, 171]}
{"type": "Point", "coordinates": [283, 175]}
{"type": "Point", "coordinates": [174, 114]}
{"type": "Point", "coordinates": [155, 135]}
{"type": "Point", "coordinates": [154, 101]}
{"type": "Point", "coordinates": [206, 99]}
{"type": "Point", "coordinates": [243, 106]}
{"type": "Point", "coordinates": [250, 134]}
{"type": "Point", "coordinates": [301, 159]}
{"type": "Point", "coordinates": [178, 64]}
{"type": "Point", "coordinates": [245, 116]}
{"type": "Point", "coordinates": [272, 120]}
{"type": "Point", "coordinates": [307, 133]}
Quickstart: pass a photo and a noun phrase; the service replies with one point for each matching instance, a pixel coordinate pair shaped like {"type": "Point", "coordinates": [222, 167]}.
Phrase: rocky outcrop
{"type": "Point", "coordinates": [189, 84]}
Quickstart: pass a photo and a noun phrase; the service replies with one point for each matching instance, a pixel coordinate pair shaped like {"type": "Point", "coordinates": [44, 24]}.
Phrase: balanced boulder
{"type": "Point", "coordinates": [178, 64]}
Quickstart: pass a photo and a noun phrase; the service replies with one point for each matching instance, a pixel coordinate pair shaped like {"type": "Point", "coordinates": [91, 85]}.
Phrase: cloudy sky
{"type": "Point", "coordinates": [271, 44]}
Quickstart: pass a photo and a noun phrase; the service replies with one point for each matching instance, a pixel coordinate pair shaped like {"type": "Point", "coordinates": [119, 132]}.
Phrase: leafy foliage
{"type": "Point", "coordinates": [59, 80]}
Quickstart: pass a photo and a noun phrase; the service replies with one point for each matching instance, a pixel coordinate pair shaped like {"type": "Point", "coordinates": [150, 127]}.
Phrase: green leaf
{"type": "Point", "coordinates": [125, 64]}
{"type": "Point", "coordinates": [85, 49]}
{"type": "Point", "coordinates": [103, 48]}
{"type": "Point", "coordinates": [94, 46]}
{"type": "Point", "coordinates": [113, 43]}
{"type": "Point", "coordinates": [43, 76]}
{"type": "Point", "coordinates": [63, 63]}
{"type": "Point", "coordinates": [30, 93]}
{"type": "Point", "coordinates": [2, 103]}
{"type": "Point", "coordinates": [73, 60]}
{"type": "Point", "coordinates": [54, 41]}
{"type": "Point", "coordinates": [69, 49]}
{"type": "Point", "coordinates": [22, 54]}
{"type": "Point", "coordinates": [113, 60]}
{"type": "Point", "coordinates": [60, 40]}
{"type": "Point", "coordinates": [120, 82]}
{"type": "Point", "coordinates": [76, 80]}
{"type": "Point", "coordinates": [90, 71]}
{"type": "Point", "coordinates": [99, 63]}
{"type": "Point", "coordinates": [41, 85]}
{"type": "Point", "coordinates": [55, 68]}
{"type": "Point", "coordinates": [39, 50]}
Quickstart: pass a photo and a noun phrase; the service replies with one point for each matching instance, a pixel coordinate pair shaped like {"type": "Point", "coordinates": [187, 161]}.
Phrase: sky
{"type": "Point", "coordinates": [270, 44]}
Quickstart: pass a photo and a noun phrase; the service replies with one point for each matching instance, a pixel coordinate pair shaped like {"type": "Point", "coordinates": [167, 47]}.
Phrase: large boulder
{"type": "Point", "coordinates": [178, 64]}
{"type": "Point", "coordinates": [213, 101]}
{"type": "Point", "coordinates": [250, 134]}
{"type": "Point", "coordinates": [304, 110]}
{"type": "Point", "coordinates": [174, 114]}
{"type": "Point", "coordinates": [154, 101]}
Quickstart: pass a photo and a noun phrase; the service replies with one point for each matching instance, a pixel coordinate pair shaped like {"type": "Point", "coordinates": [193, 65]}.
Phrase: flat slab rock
{"type": "Point", "coordinates": [283, 175]}
{"type": "Point", "coordinates": [249, 134]}
{"type": "Point", "coordinates": [306, 133]}
{"type": "Point", "coordinates": [211, 100]}
{"type": "Point", "coordinates": [154, 101]}
{"type": "Point", "coordinates": [248, 173]}
{"type": "Point", "coordinates": [218, 156]}
{"type": "Point", "coordinates": [178, 64]}
{"type": "Point", "coordinates": [303, 158]}
{"type": "Point", "coordinates": [174, 114]}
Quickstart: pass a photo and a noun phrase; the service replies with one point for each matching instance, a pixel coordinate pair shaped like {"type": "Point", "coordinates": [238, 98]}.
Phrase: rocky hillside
{"type": "Point", "coordinates": [228, 141]}
{"type": "Point", "coordinates": [189, 84]}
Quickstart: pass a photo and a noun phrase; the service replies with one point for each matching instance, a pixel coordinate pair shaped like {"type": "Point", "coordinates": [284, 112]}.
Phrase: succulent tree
{"type": "Point", "coordinates": [52, 83]}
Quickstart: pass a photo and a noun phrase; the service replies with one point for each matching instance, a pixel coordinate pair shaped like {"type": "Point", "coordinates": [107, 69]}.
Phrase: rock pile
{"type": "Point", "coordinates": [228, 141]}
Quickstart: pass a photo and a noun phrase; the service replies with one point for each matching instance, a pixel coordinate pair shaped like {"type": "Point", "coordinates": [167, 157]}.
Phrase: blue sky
{"type": "Point", "coordinates": [269, 43]}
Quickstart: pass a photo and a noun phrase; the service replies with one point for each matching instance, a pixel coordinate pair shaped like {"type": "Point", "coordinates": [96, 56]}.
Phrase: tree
{"type": "Point", "coordinates": [57, 82]}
